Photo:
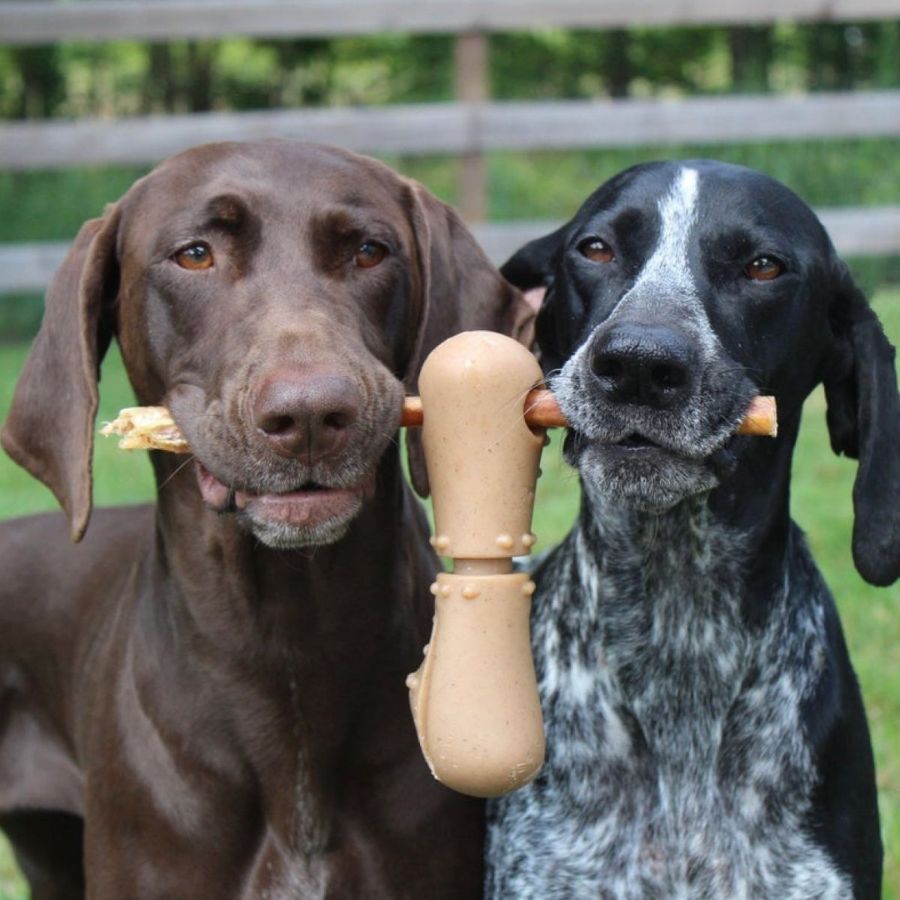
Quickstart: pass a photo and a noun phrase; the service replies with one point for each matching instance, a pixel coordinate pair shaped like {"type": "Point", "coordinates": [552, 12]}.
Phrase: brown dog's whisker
{"type": "Point", "coordinates": [178, 468]}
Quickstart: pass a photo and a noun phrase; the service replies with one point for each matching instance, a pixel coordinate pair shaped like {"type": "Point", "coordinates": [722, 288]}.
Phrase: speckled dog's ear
{"type": "Point", "coordinates": [50, 427]}
{"type": "Point", "coordinates": [864, 423]}
{"type": "Point", "coordinates": [533, 265]}
{"type": "Point", "coordinates": [557, 324]}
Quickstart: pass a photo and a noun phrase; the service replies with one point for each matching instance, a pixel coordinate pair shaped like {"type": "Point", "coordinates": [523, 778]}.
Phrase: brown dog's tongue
{"type": "Point", "coordinates": [215, 494]}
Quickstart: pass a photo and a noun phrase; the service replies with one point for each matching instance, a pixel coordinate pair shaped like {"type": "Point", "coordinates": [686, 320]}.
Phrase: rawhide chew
{"type": "Point", "coordinates": [761, 418]}
{"type": "Point", "coordinates": [147, 428]}
{"type": "Point", "coordinates": [542, 411]}
{"type": "Point", "coordinates": [474, 698]}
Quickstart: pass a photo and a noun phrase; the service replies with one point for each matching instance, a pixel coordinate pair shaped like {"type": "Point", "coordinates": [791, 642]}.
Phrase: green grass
{"type": "Point", "coordinates": [821, 500]}
{"type": "Point", "coordinates": [118, 477]}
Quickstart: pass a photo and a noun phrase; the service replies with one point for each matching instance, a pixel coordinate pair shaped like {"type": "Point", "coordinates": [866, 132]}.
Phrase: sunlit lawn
{"type": "Point", "coordinates": [821, 497]}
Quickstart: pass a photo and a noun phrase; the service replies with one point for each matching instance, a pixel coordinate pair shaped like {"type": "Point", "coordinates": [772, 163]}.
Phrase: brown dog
{"type": "Point", "coordinates": [209, 695]}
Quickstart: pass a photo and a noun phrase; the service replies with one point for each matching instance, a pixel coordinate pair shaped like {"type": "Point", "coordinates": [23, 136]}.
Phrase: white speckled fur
{"type": "Point", "coordinates": [676, 763]}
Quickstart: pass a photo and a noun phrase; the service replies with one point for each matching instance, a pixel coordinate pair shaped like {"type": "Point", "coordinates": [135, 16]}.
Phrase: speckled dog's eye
{"type": "Point", "coordinates": [764, 268]}
{"type": "Point", "coordinates": [596, 250]}
{"type": "Point", "coordinates": [370, 254]}
{"type": "Point", "coordinates": [195, 256]}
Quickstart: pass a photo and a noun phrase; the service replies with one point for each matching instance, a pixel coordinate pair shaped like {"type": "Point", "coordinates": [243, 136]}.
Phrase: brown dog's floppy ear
{"type": "Point", "coordinates": [864, 423]}
{"type": "Point", "coordinates": [50, 427]}
{"type": "Point", "coordinates": [460, 291]}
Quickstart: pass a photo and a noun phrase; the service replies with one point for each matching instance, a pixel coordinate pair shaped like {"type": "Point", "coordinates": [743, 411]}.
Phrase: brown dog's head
{"type": "Point", "coordinates": [277, 297]}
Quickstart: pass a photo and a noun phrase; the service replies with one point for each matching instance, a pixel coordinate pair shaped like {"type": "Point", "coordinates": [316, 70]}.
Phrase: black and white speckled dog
{"type": "Point", "coordinates": [706, 736]}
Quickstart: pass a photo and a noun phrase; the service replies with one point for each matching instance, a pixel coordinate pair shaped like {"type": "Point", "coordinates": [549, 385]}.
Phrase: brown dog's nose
{"type": "Point", "coordinates": [305, 415]}
{"type": "Point", "coordinates": [651, 365]}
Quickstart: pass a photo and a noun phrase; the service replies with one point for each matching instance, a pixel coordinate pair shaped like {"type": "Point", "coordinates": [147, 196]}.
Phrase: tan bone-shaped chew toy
{"type": "Point", "coordinates": [474, 699]}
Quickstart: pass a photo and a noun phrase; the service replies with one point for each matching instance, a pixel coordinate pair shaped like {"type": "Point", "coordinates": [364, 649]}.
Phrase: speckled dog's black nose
{"type": "Point", "coordinates": [650, 365]}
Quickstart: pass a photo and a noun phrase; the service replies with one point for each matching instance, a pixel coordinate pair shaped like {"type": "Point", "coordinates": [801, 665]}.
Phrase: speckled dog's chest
{"type": "Point", "coordinates": [677, 765]}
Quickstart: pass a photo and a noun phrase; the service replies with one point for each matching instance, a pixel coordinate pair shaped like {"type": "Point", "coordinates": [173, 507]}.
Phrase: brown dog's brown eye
{"type": "Point", "coordinates": [764, 268]}
{"type": "Point", "coordinates": [370, 254]}
{"type": "Point", "coordinates": [195, 256]}
{"type": "Point", "coordinates": [596, 250]}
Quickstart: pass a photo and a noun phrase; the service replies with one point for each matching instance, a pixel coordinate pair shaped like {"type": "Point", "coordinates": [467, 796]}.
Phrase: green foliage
{"type": "Point", "coordinates": [823, 173]}
{"type": "Point", "coordinates": [49, 206]}
{"type": "Point", "coordinates": [127, 78]}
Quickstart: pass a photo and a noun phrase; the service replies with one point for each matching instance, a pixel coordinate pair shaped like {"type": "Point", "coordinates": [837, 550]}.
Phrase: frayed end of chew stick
{"type": "Point", "coordinates": [146, 428]}
{"type": "Point", "coordinates": [761, 419]}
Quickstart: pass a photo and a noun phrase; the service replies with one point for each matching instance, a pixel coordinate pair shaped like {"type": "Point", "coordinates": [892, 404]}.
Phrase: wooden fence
{"type": "Point", "coordinates": [39, 21]}
{"type": "Point", "coordinates": [468, 127]}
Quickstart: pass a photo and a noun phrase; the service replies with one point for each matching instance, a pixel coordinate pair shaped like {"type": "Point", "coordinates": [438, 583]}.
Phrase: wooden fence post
{"type": "Point", "coordinates": [472, 86]}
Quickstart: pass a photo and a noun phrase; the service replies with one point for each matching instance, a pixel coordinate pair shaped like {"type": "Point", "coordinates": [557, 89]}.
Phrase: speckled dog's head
{"type": "Point", "coordinates": [675, 294]}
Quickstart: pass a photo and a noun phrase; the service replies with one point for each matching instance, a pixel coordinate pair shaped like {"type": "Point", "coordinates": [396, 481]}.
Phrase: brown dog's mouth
{"type": "Point", "coordinates": [311, 514]}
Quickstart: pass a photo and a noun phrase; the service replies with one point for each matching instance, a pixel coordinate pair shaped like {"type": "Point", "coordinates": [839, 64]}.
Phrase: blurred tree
{"type": "Point", "coordinates": [886, 54]}
{"type": "Point", "coordinates": [159, 89]}
{"type": "Point", "coordinates": [10, 83]}
{"type": "Point", "coordinates": [830, 60]}
{"type": "Point", "coordinates": [125, 78]}
{"type": "Point", "coordinates": [42, 82]}
{"type": "Point", "coordinates": [197, 80]}
{"type": "Point", "coordinates": [246, 73]}
{"type": "Point", "coordinates": [673, 57]}
{"type": "Point", "coordinates": [617, 68]}
{"type": "Point", "coordinates": [304, 71]}
{"type": "Point", "coordinates": [751, 55]}
{"type": "Point", "coordinates": [419, 68]}
{"type": "Point", "coordinates": [570, 64]}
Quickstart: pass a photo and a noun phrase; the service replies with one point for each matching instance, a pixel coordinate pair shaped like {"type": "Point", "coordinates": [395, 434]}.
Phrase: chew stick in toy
{"type": "Point", "coordinates": [153, 428]}
{"type": "Point", "coordinates": [542, 411]}
{"type": "Point", "coordinates": [474, 698]}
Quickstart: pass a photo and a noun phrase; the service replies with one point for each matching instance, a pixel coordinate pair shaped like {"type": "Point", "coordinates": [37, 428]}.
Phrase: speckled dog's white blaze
{"type": "Point", "coordinates": [668, 267]}
{"type": "Point", "coordinates": [665, 278]}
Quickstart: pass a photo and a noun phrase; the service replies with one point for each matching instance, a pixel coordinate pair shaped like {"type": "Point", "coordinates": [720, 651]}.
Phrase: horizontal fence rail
{"type": "Point", "coordinates": [41, 22]}
{"type": "Point", "coordinates": [460, 128]}
{"type": "Point", "coordinates": [871, 231]}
